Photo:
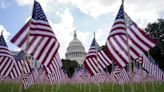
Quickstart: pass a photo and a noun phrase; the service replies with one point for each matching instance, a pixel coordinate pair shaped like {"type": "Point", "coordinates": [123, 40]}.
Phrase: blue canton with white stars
{"type": "Point", "coordinates": [2, 41]}
{"type": "Point", "coordinates": [128, 20]}
{"type": "Point", "coordinates": [38, 13]}
{"type": "Point", "coordinates": [120, 13]}
{"type": "Point", "coordinates": [20, 56]}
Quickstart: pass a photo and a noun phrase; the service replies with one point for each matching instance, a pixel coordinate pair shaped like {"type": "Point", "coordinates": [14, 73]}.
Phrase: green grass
{"type": "Point", "coordinates": [10, 87]}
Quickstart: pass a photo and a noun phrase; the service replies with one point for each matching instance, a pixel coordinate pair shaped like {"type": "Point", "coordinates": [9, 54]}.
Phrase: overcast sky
{"type": "Point", "coordinates": [84, 16]}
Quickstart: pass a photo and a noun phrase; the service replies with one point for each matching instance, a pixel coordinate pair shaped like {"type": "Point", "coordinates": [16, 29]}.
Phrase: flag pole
{"type": "Point", "coordinates": [152, 81]}
{"type": "Point", "coordinates": [142, 76]}
{"type": "Point", "coordinates": [25, 51]}
{"type": "Point", "coordinates": [127, 42]}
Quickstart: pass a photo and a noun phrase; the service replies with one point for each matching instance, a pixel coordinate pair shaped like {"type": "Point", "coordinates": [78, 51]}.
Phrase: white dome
{"type": "Point", "coordinates": [75, 50]}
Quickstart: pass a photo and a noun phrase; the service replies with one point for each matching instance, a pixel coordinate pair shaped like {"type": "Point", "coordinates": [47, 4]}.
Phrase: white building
{"type": "Point", "coordinates": [76, 50]}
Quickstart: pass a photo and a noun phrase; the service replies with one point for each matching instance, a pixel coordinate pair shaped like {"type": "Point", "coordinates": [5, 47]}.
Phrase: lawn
{"type": "Point", "coordinates": [155, 87]}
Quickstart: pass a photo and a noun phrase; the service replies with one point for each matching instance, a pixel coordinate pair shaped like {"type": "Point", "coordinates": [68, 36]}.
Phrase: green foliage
{"type": "Point", "coordinates": [69, 67]}
{"type": "Point", "coordinates": [156, 31]}
{"type": "Point", "coordinates": [155, 87]}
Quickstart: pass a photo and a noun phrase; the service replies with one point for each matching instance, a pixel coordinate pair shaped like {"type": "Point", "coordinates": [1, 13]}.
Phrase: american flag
{"type": "Point", "coordinates": [153, 69]}
{"type": "Point", "coordinates": [28, 80]}
{"type": "Point", "coordinates": [96, 59]}
{"type": "Point", "coordinates": [120, 75]}
{"type": "Point", "coordinates": [90, 61]}
{"type": "Point", "coordinates": [6, 59]}
{"type": "Point", "coordinates": [55, 65]}
{"type": "Point", "coordinates": [56, 77]}
{"type": "Point", "coordinates": [43, 44]}
{"type": "Point", "coordinates": [116, 43]}
{"type": "Point", "coordinates": [18, 64]}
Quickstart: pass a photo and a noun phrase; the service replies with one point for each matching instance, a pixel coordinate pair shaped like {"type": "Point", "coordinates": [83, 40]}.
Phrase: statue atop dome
{"type": "Point", "coordinates": [75, 35]}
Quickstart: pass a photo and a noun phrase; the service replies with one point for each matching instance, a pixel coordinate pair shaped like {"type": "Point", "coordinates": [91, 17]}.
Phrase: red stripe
{"type": "Point", "coordinates": [89, 70]}
{"type": "Point", "coordinates": [41, 24]}
{"type": "Point", "coordinates": [45, 58]}
{"type": "Point", "coordinates": [118, 28]}
{"type": "Point", "coordinates": [16, 37]}
{"type": "Point", "coordinates": [119, 22]}
{"type": "Point", "coordinates": [36, 47]}
{"type": "Point", "coordinates": [43, 35]}
{"type": "Point", "coordinates": [41, 30]}
{"type": "Point", "coordinates": [53, 56]}
{"type": "Point", "coordinates": [118, 53]}
{"type": "Point", "coordinates": [7, 69]}
{"type": "Point", "coordinates": [43, 49]}
{"type": "Point", "coordinates": [32, 42]}
{"type": "Point", "coordinates": [112, 57]}
{"type": "Point", "coordinates": [22, 41]}
{"type": "Point", "coordinates": [141, 40]}
{"type": "Point", "coordinates": [5, 63]}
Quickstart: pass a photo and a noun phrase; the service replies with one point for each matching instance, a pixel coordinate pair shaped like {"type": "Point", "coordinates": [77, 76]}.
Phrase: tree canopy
{"type": "Point", "coordinates": [156, 31]}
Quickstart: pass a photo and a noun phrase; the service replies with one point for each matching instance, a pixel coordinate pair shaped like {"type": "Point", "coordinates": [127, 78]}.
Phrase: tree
{"type": "Point", "coordinates": [69, 66]}
{"type": "Point", "coordinates": [156, 31]}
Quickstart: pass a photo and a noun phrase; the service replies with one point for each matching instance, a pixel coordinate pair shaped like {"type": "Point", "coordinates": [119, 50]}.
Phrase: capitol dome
{"type": "Point", "coordinates": [75, 50]}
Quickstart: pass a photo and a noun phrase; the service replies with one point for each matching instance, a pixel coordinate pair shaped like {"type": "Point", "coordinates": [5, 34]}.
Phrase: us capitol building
{"type": "Point", "coordinates": [75, 50]}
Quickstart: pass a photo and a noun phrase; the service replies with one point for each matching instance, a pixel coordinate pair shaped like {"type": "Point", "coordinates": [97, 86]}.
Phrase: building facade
{"type": "Point", "coordinates": [76, 50]}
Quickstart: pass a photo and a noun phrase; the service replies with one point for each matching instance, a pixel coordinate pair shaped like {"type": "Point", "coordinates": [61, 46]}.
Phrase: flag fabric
{"type": "Point", "coordinates": [120, 75]}
{"type": "Point", "coordinates": [90, 61]}
{"type": "Point", "coordinates": [28, 80]}
{"type": "Point", "coordinates": [56, 77]}
{"type": "Point", "coordinates": [152, 69]}
{"type": "Point", "coordinates": [96, 59]}
{"type": "Point", "coordinates": [6, 59]}
{"type": "Point", "coordinates": [125, 32]}
{"type": "Point", "coordinates": [18, 65]}
{"type": "Point", "coordinates": [43, 44]}
{"type": "Point", "coordinates": [54, 66]}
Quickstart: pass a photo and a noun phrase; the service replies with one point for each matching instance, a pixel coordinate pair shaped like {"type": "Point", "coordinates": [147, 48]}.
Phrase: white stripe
{"type": "Point", "coordinates": [8, 68]}
{"type": "Point", "coordinates": [37, 32]}
{"type": "Point", "coordinates": [40, 21]}
{"type": "Point", "coordinates": [3, 63]}
{"type": "Point", "coordinates": [101, 54]}
{"type": "Point", "coordinates": [142, 37]}
{"type": "Point", "coordinates": [22, 36]}
{"type": "Point", "coordinates": [94, 63]}
{"type": "Point", "coordinates": [118, 25]}
{"type": "Point", "coordinates": [106, 57]}
{"type": "Point", "coordinates": [124, 45]}
{"type": "Point", "coordinates": [101, 61]}
{"type": "Point", "coordinates": [119, 60]}
{"type": "Point", "coordinates": [46, 50]}
{"type": "Point", "coordinates": [41, 27]}
{"type": "Point", "coordinates": [137, 40]}
{"type": "Point", "coordinates": [40, 47]}
{"type": "Point", "coordinates": [120, 51]}
{"type": "Point", "coordinates": [31, 49]}
{"type": "Point", "coordinates": [51, 53]}
{"type": "Point", "coordinates": [90, 67]}
{"type": "Point", "coordinates": [134, 46]}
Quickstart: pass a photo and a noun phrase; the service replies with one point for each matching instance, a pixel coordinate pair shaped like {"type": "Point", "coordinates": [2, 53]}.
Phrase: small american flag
{"type": "Point", "coordinates": [43, 44]}
{"type": "Point", "coordinates": [6, 59]}
{"type": "Point", "coordinates": [18, 65]}
{"type": "Point", "coordinates": [96, 59]}
{"type": "Point", "coordinates": [90, 61]}
{"type": "Point", "coordinates": [28, 80]}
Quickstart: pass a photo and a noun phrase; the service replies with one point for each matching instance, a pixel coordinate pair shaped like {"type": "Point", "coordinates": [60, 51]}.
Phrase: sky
{"type": "Point", "coordinates": [84, 16]}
